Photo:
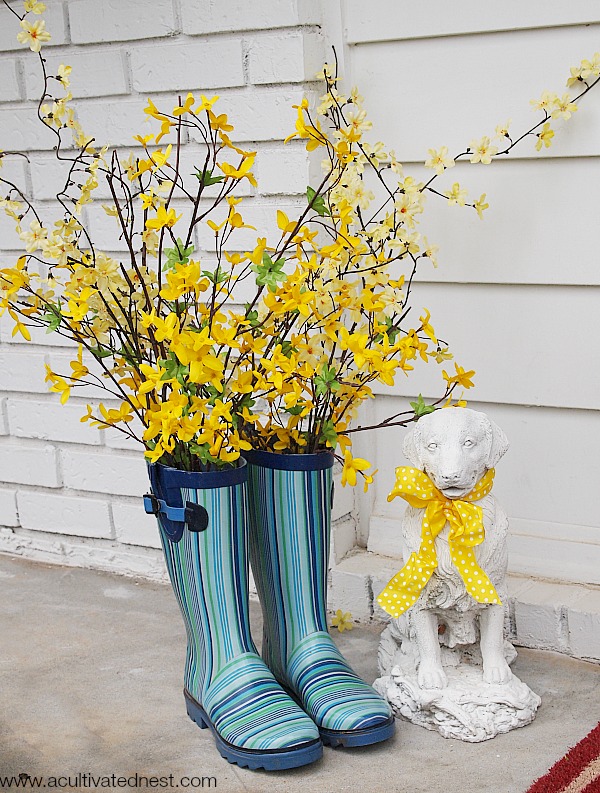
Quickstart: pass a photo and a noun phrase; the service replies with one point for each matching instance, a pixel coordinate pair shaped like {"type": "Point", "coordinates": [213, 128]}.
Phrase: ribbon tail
{"type": "Point", "coordinates": [405, 587]}
{"type": "Point", "coordinates": [476, 581]}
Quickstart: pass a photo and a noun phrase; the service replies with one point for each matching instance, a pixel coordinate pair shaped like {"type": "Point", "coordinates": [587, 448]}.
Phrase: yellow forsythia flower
{"type": "Point", "coordinates": [34, 34]}
{"type": "Point", "coordinates": [342, 620]}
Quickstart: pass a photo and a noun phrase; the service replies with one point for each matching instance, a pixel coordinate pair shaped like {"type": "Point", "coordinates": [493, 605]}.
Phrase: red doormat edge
{"type": "Point", "coordinates": [570, 766]}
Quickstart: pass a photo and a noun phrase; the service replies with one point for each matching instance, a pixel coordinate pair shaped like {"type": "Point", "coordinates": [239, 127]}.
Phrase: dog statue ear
{"type": "Point", "coordinates": [498, 445]}
{"type": "Point", "coordinates": [411, 446]}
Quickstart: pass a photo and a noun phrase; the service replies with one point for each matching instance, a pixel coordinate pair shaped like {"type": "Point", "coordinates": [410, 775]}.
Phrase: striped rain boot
{"type": "Point", "coordinates": [228, 688]}
{"type": "Point", "coordinates": [290, 520]}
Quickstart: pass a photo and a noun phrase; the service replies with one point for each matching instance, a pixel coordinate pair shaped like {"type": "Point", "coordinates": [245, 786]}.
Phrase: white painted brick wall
{"type": "Point", "coordinates": [3, 418]}
{"type": "Point", "coordinates": [184, 67]}
{"type": "Point", "coordinates": [258, 214]}
{"type": "Point", "coordinates": [48, 178]}
{"type": "Point", "coordinates": [115, 123]}
{"type": "Point", "coordinates": [77, 488]}
{"type": "Point", "coordinates": [39, 338]}
{"type": "Point", "coordinates": [539, 625]}
{"type": "Point", "coordinates": [350, 593]}
{"type": "Point", "coordinates": [9, 85]}
{"type": "Point", "coordinates": [584, 634]}
{"type": "Point", "coordinates": [282, 170]}
{"type": "Point", "coordinates": [28, 464]}
{"type": "Point", "coordinates": [97, 73]}
{"type": "Point", "coordinates": [14, 169]}
{"type": "Point", "coordinates": [115, 439]}
{"type": "Point", "coordinates": [21, 126]}
{"type": "Point", "coordinates": [104, 230]}
{"type": "Point", "coordinates": [10, 240]}
{"type": "Point", "coordinates": [104, 473]}
{"type": "Point", "coordinates": [114, 20]}
{"type": "Point", "coordinates": [68, 514]}
{"type": "Point", "coordinates": [53, 16]}
{"type": "Point", "coordinates": [133, 526]}
{"type": "Point", "coordinates": [200, 17]}
{"type": "Point", "coordinates": [284, 57]}
{"type": "Point", "coordinates": [50, 421]}
{"type": "Point", "coordinates": [262, 115]}
{"type": "Point", "coordinates": [47, 175]}
{"type": "Point", "coordinates": [59, 362]}
{"type": "Point", "coordinates": [8, 508]}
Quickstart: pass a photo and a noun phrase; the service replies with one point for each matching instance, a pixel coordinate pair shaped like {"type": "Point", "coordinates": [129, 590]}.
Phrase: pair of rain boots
{"type": "Point", "coordinates": [274, 712]}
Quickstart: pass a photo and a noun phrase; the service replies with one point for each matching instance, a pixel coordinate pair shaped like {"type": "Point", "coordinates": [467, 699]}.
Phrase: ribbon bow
{"type": "Point", "coordinates": [466, 531]}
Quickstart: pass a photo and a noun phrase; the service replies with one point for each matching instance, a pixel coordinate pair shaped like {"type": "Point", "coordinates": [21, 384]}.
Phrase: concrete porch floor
{"type": "Point", "coordinates": [90, 682]}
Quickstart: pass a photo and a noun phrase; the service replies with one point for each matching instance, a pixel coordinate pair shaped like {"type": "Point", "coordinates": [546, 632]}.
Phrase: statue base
{"type": "Point", "coordinates": [468, 708]}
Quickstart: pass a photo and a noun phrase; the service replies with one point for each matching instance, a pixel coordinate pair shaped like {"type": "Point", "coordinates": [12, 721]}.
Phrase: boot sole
{"type": "Point", "coordinates": [349, 738]}
{"type": "Point", "coordinates": [269, 760]}
{"type": "Point", "coordinates": [366, 737]}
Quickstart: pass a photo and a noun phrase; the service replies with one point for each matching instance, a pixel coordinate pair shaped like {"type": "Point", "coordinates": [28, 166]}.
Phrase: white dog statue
{"type": "Point", "coordinates": [444, 660]}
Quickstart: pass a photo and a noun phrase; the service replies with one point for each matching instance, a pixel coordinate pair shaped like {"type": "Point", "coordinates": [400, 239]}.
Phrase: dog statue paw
{"type": "Point", "coordinates": [496, 671]}
{"type": "Point", "coordinates": [431, 675]}
{"type": "Point", "coordinates": [444, 660]}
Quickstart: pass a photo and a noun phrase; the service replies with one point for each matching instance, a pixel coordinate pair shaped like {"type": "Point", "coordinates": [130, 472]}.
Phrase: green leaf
{"type": "Point", "coordinates": [178, 255]}
{"type": "Point", "coordinates": [52, 317]}
{"type": "Point", "coordinates": [329, 434]}
{"type": "Point", "coordinates": [128, 354]}
{"type": "Point", "coordinates": [391, 330]}
{"type": "Point", "coordinates": [206, 178]}
{"type": "Point", "coordinates": [202, 451]}
{"type": "Point", "coordinates": [174, 370]}
{"type": "Point", "coordinates": [182, 375]}
{"type": "Point", "coordinates": [247, 402]}
{"type": "Point", "coordinates": [100, 352]}
{"type": "Point", "coordinates": [317, 202]}
{"type": "Point", "coordinates": [287, 348]}
{"type": "Point", "coordinates": [269, 273]}
{"type": "Point", "coordinates": [393, 335]}
{"type": "Point", "coordinates": [420, 408]}
{"type": "Point", "coordinates": [252, 318]}
{"type": "Point", "coordinates": [213, 393]}
{"type": "Point", "coordinates": [216, 277]}
{"type": "Point", "coordinates": [325, 381]}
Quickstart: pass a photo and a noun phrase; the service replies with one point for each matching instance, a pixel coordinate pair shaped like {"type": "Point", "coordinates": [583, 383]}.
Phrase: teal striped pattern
{"type": "Point", "coordinates": [223, 672]}
{"type": "Point", "coordinates": [290, 521]}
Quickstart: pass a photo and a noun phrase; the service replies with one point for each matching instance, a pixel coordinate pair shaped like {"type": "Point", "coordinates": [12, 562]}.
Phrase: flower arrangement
{"type": "Point", "coordinates": [199, 373]}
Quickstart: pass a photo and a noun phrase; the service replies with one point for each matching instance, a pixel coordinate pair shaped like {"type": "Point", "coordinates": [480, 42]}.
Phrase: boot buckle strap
{"type": "Point", "coordinates": [193, 515]}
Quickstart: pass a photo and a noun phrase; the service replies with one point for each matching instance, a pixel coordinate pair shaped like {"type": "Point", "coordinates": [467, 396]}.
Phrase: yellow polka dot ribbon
{"type": "Point", "coordinates": [466, 531]}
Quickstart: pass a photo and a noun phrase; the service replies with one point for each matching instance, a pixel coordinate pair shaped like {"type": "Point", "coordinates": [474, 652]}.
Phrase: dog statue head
{"type": "Point", "coordinates": [455, 447]}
